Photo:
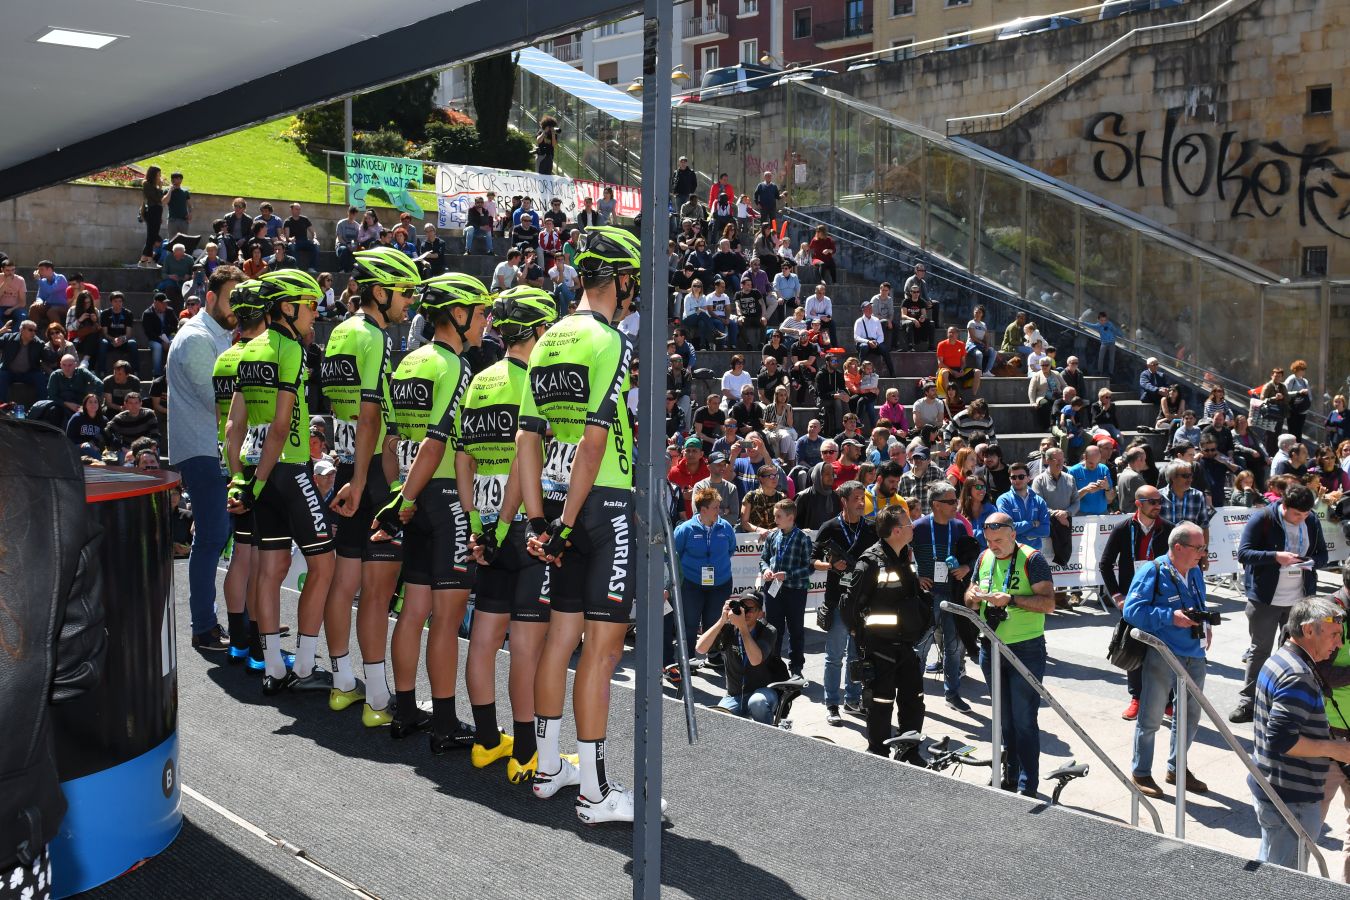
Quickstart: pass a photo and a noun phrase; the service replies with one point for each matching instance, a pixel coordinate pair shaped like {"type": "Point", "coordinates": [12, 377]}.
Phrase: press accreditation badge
{"type": "Point", "coordinates": [707, 573]}
{"type": "Point", "coordinates": [939, 571]}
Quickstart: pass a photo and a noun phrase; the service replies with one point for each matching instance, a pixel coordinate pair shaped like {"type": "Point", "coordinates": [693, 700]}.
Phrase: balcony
{"type": "Point", "coordinates": [747, 8]}
{"type": "Point", "coordinates": [701, 29]}
{"type": "Point", "coordinates": [567, 51]}
{"type": "Point", "coordinates": [843, 33]}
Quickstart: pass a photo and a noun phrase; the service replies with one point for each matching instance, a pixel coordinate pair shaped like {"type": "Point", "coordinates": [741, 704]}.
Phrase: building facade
{"type": "Point", "coordinates": [899, 23]}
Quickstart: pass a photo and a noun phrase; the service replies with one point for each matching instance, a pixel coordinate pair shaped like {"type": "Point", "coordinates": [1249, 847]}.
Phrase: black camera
{"type": "Point", "coordinates": [1201, 618]}
{"type": "Point", "coordinates": [995, 615]}
{"type": "Point", "coordinates": [862, 669]}
{"type": "Point", "coordinates": [736, 608]}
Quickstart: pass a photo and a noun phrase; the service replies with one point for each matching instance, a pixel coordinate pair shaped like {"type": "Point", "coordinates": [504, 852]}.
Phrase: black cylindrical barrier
{"type": "Point", "coordinates": [117, 745]}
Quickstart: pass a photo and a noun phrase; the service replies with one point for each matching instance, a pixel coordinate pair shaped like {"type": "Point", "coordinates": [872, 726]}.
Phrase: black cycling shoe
{"type": "Point", "coordinates": [401, 728]}
{"type": "Point", "coordinates": [460, 738]}
{"type": "Point", "coordinates": [273, 686]}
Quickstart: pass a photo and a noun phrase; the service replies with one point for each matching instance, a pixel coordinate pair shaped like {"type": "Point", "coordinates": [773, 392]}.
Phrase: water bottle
{"type": "Point", "coordinates": [20, 412]}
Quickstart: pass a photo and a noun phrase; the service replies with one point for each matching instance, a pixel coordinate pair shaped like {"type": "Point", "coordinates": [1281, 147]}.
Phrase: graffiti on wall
{"type": "Point", "coordinates": [1257, 179]}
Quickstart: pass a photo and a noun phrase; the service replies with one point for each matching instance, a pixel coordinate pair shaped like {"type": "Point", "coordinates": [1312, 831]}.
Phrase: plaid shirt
{"type": "Point", "coordinates": [916, 486]}
{"type": "Point", "coordinates": [795, 558]}
{"type": "Point", "coordinates": [1191, 506]}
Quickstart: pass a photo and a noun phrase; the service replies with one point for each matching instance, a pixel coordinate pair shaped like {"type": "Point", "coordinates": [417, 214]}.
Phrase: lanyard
{"type": "Point", "coordinates": [1183, 585]}
{"type": "Point", "coordinates": [932, 531]}
{"type": "Point", "coordinates": [1007, 576]}
{"type": "Point", "coordinates": [849, 536]}
{"type": "Point", "coordinates": [1298, 534]}
{"type": "Point", "coordinates": [1142, 544]}
{"type": "Point", "coordinates": [783, 542]}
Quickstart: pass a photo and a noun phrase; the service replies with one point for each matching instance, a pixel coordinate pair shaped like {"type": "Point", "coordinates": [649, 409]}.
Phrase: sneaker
{"type": "Point", "coordinates": [459, 738]}
{"type": "Point", "coordinates": [374, 718]}
{"type": "Point", "coordinates": [1241, 714]}
{"type": "Point", "coordinates": [238, 655]}
{"type": "Point", "coordinates": [318, 680]}
{"type": "Point", "coordinates": [832, 717]}
{"type": "Point", "coordinates": [215, 640]}
{"type": "Point", "coordinates": [672, 674]}
{"type": "Point", "coordinates": [273, 686]}
{"type": "Point", "coordinates": [617, 806]}
{"type": "Point", "coordinates": [956, 702]}
{"type": "Point", "coordinates": [855, 709]}
{"type": "Point", "coordinates": [520, 773]}
{"type": "Point", "coordinates": [1132, 711]}
{"type": "Point", "coordinates": [933, 667]}
{"type": "Point", "coordinates": [420, 721]}
{"type": "Point", "coordinates": [1247, 655]}
{"type": "Point", "coordinates": [1167, 717]}
{"type": "Point", "coordinates": [545, 785]}
{"type": "Point", "coordinates": [340, 700]}
{"type": "Point", "coordinates": [482, 757]}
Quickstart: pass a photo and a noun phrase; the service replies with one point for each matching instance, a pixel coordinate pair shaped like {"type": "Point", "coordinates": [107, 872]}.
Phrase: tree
{"type": "Point", "coordinates": [403, 107]}
{"type": "Point", "coordinates": [493, 82]}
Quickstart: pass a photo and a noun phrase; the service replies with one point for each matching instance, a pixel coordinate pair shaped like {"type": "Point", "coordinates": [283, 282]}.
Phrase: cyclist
{"type": "Point", "coordinates": [577, 380]}
{"type": "Point", "coordinates": [509, 589]}
{"type": "Point", "coordinates": [425, 507]}
{"type": "Point", "coordinates": [249, 312]}
{"type": "Point", "coordinates": [269, 410]}
{"type": "Point", "coordinates": [355, 375]}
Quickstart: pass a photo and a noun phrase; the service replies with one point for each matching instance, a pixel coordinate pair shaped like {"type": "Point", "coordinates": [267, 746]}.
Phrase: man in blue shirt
{"type": "Point", "coordinates": [943, 552]}
{"type": "Point", "coordinates": [51, 294]}
{"type": "Point", "coordinates": [270, 219]}
{"type": "Point", "coordinates": [1030, 515]}
{"type": "Point", "coordinates": [1161, 590]}
{"type": "Point", "coordinates": [1107, 332]}
{"type": "Point", "coordinates": [1093, 480]}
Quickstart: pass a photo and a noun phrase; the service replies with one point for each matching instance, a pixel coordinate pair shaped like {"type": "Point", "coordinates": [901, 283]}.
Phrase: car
{"type": "Point", "coordinates": [737, 79]}
{"type": "Point", "coordinates": [1035, 25]}
{"type": "Point", "coordinates": [1113, 8]}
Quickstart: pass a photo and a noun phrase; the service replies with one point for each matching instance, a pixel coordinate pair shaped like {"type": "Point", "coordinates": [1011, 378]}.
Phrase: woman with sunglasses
{"type": "Point", "coordinates": [974, 507]}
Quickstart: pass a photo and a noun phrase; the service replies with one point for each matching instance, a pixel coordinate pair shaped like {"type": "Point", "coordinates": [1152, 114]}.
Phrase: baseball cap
{"type": "Point", "coordinates": [324, 466]}
{"type": "Point", "coordinates": [919, 453]}
{"type": "Point", "coordinates": [717, 458]}
{"type": "Point", "coordinates": [693, 442]}
{"type": "Point", "coordinates": [852, 441]}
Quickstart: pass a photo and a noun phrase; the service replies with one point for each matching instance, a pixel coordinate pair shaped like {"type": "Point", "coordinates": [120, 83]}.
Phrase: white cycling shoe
{"type": "Point", "coordinates": [545, 785]}
{"type": "Point", "coordinates": [616, 807]}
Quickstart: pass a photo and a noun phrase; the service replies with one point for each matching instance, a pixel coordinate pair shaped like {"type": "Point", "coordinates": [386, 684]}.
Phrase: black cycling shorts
{"type": "Point", "coordinates": [514, 583]}
{"type": "Point", "coordinates": [353, 534]}
{"type": "Point", "coordinates": [600, 578]}
{"type": "Point", "coordinates": [245, 531]}
{"type": "Point", "coordinates": [436, 540]}
{"type": "Point", "coordinates": [290, 509]}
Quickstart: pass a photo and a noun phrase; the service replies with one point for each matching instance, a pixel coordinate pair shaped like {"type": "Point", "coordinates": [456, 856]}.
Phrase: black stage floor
{"type": "Point", "coordinates": [754, 812]}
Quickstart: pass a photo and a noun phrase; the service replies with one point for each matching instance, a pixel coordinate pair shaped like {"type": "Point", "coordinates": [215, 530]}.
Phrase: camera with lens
{"type": "Point", "coordinates": [736, 608]}
{"type": "Point", "coordinates": [1201, 618]}
{"type": "Point", "coordinates": [995, 616]}
{"type": "Point", "coordinates": [862, 669]}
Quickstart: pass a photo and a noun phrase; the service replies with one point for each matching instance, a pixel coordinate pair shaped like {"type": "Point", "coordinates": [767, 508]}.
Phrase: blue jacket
{"type": "Point", "coordinates": [1262, 537]}
{"type": "Point", "coordinates": [1151, 386]}
{"type": "Point", "coordinates": [1023, 512]}
{"type": "Point", "coordinates": [1155, 594]}
{"type": "Point", "coordinates": [700, 545]}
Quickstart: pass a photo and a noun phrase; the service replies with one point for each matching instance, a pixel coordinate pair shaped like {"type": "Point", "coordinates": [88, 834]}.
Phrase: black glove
{"type": "Point", "coordinates": [489, 544]}
{"type": "Point", "coordinates": [387, 519]}
{"type": "Point", "coordinates": [244, 491]}
{"type": "Point", "coordinates": [558, 533]}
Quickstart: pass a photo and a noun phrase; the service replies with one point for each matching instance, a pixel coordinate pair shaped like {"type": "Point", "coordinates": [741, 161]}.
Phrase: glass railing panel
{"type": "Point", "coordinates": [1291, 328]}
{"type": "Point", "coordinates": [949, 203]}
{"type": "Point", "coordinates": [1227, 332]}
{"type": "Point", "coordinates": [1001, 236]}
{"type": "Point", "coordinates": [1167, 293]}
{"type": "Point", "coordinates": [1338, 341]}
{"type": "Point", "coordinates": [902, 183]}
{"type": "Point", "coordinates": [855, 171]}
{"type": "Point", "coordinates": [1050, 252]}
{"type": "Point", "coordinates": [1107, 268]}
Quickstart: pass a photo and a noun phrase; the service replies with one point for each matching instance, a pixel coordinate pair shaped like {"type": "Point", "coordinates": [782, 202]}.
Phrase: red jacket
{"type": "Point", "coordinates": [717, 188]}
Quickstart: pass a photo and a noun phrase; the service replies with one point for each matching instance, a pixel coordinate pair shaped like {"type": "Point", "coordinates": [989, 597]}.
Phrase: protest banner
{"type": "Point", "coordinates": [392, 176]}
{"type": "Point", "coordinates": [628, 199]}
{"type": "Point", "coordinates": [457, 186]}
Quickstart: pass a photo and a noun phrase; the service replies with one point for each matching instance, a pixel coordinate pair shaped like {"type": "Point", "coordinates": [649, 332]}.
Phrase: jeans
{"type": "Point", "coordinates": [988, 358]}
{"type": "Point", "coordinates": [840, 649]}
{"type": "Point", "coordinates": [700, 329]}
{"type": "Point", "coordinates": [471, 232]}
{"type": "Point", "coordinates": [953, 650]}
{"type": "Point", "coordinates": [36, 380]}
{"type": "Point", "coordinates": [130, 351]}
{"type": "Point", "coordinates": [1279, 843]}
{"type": "Point", "coordinates": [731, 328]}
{"type": "Point", "coordinates": [702, 607]}
{"type": "Point", "coordinates": [13, 314]}
{"type": "Point", "coordinates": [786, 613]}
{"type": "Point", "coordinates": [306, 253]}
{"type": "Point", "coordinates": [866, 352]}
{"type": "Point", "coordinates": [203, 481]}
{"type": "Point", "coordinates": [1263, 623]}
{"type": "Point", "coordinates": [759, 706]}
{"type": "Point", "coordinates": [346, 261]}
{"type": "Point", "coordinates": [1021, 708]}
{"type": "Point", "coordinates": [1157, 684]}
{"type": "Point", "coordinates": [1337, 784]}
{"type": "Point", "coordinates": [1106, 359]}
{"type": "Point", "coordinates": [157, 351]}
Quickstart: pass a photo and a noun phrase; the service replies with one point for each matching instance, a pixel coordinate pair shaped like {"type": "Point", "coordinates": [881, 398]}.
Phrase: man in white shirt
{"type": "Point", "coordinates": [504, 276]}
{"type": "Point", "coordinates": [562, 279]}
{"type": "Point", "coordinates": [870, 338]}
{"type": "Point", "coordinates": [719, 307]}
{"type": "Point", "coordinates": [819, 306]}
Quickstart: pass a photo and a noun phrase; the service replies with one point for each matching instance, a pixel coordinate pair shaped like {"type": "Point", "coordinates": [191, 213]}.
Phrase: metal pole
{"type": "Point", "coordinates": [649, 538]}
{"type": "Point", "coordinates": [996, 712]}
{"type": "Point", "coordinates": [1179, 739]}
{"type": "Point", "coordinates": [347, 124]}
{"type": "Point", "coordinates": [681, 642]}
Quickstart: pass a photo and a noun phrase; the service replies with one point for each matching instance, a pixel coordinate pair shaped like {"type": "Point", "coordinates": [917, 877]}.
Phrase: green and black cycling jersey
{"type": "Point", "coordinates": [222, 383]}
{"type": "Point", "coordinates": [488, 419]}
{"type": "Point", "coordinates": [355, 370]}
{"type": "Point", "coordinates": [271, 363]}
{"type": "Point", "coordinates": [578, 377]}
{"type": "Point", "coordinates": [426, 391]}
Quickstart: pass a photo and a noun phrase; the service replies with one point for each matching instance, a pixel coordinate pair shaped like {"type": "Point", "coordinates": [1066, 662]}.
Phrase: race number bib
{"type": "Point", "coordinates": [406, 451]}
{"type": "Point", "coordinates": [253, 444]}
{"type": "Point", "coordinates": [558, 460]}
{"type": "Point", "coordinates": [488, 493]}
{"type": "Point", "coordinates": [344, 440]}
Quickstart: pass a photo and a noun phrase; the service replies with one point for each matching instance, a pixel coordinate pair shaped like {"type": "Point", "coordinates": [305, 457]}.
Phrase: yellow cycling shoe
{"type": "Point", "coordinates": [340, 700]}
{"type": "Point", "coordinates": [482, 757]}
{"type": "Point", "coordinates": [374, 718]}
{"type": "Point", "coordinates": [518, 774]}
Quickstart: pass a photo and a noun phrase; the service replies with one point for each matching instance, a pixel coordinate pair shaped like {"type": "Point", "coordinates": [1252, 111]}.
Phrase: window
{"type": "Point", "coordinates": [748, 8]}
{"type": "Point", "coordinates": [709, 58]}
{"type": "Point", "coordinates": [961, 38]}
{"type": "Point", "coordinates": [853, 18]}
{"type": "Point", "coordinates": [1314, 262]}
{"type": "Point", "coordinates": [607, 72]}
{"type": "Point", "coordinates": [1319, 100]}
{"type": "Point", "coordinates": [801, 23]}
{"type": "Point", "coordinates": [950, 3]}
{"type": "Point", "coordinates": [902, 8]}
{"type": "Point", "coordinates": [750, 51]}
{"type": "Point", "coordinates": [901, 53]}
{"type": "Point", "coordinates": [609, 29]}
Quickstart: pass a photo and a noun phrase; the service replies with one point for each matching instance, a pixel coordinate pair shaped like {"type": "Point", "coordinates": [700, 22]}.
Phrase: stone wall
{"type": "Point", "coordinates": [90, 225]}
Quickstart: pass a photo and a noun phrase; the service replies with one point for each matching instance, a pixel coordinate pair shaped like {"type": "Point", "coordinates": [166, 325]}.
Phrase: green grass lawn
{"type": "Point", "coordinates": [256, 162]}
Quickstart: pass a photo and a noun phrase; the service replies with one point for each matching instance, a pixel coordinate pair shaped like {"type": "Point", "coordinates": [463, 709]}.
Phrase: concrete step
{"type": "Point", "coordinates": [907, 365]}
{"type": "Point", "coordinates": [1020, 446]}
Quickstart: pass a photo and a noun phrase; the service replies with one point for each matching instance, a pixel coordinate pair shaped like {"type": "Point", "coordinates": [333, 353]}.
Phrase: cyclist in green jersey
{"type": "Point", "coordinates": [269, 410]}
{"type": "Point", "coordinates": [248, 309]}
{"type": "Point", "coordinates": [437, 570]}
{"type": "Point", "coordinates": [509, 587]}
{"type": "Point", "coordinates": [577, 379]}
{"type": "Point", "coordinates": [355, 377]}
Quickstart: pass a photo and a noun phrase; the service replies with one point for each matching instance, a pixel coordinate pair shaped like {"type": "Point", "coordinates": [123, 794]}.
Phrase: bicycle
{"type": "Point", "coordinates": [941, 755]}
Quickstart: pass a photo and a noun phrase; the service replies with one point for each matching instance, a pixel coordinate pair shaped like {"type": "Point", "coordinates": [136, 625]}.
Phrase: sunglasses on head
{"type": "Point", "coordinates": [995, 526]}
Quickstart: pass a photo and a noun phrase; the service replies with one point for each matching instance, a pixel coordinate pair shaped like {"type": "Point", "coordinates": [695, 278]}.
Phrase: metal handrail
{"type": "Point", "coordinates": [1184, 682]}
{"type": "Point", "coordinates": [682, 645]}
{"type": "Point", "coordinates": [996, 699]}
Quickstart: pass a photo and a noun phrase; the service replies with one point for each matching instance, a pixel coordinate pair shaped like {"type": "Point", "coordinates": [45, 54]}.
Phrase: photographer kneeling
{"type": "Point", "coordinates": [888, 613]}
{"type": "Point", "coordinates": [746, 643]}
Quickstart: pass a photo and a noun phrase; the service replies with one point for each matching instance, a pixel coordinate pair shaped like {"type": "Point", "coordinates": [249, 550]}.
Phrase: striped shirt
{"type": "Point", "coordinates": [1289, 706]}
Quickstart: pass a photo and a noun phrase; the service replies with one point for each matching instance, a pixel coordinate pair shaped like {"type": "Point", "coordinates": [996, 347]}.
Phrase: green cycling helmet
{"type": "Point", "coordinates": [517, 311]}
{"type": "Point", "coordinates": [288, 285]}
{"type": "Point", "coordinates": [453, 289]}
{"type": "Point", "coordinates": [386, 267]}
{"type": "Point", "coordinates": [245, 302]}
{"type": "Point", "coordinates": [607, 251]}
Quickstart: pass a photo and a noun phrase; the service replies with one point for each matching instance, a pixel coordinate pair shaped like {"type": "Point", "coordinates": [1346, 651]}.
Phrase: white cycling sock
{"type": "Point", "coordinates": [593, 786]}
{"type": "Point", "coordinates": [306, 648]}
{"type": "Point", "coordinates": [271, 644]}
{"type": "Point", "coordinates": [343, 679]}
{"type": "Point", "coordinates": [377, 689]}
{"type": "Point", "coordinates": [546, 732]}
